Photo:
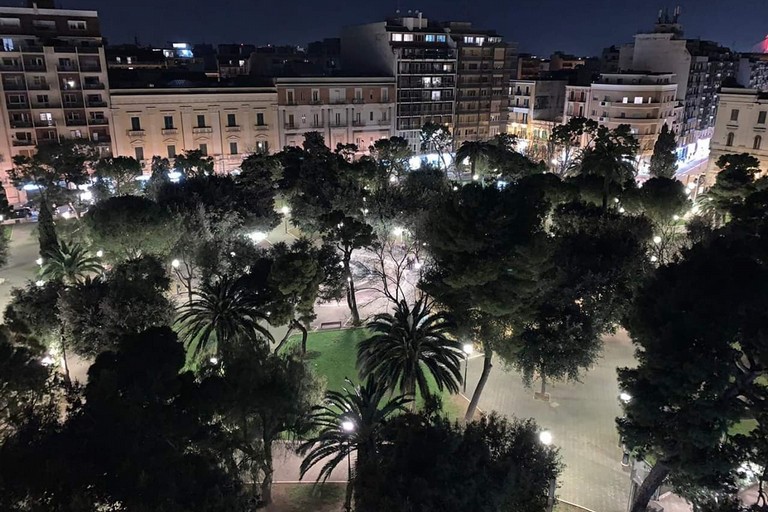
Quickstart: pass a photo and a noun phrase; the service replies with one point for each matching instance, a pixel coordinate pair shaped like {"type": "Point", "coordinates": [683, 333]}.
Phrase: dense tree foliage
{"type": "Point", "coordinates": [116, 175]}
{"type": "Point", "coordinates": [664, 157]}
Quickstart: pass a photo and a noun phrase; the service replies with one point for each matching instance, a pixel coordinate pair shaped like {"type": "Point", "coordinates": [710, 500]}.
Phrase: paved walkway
{"type": "Point", "coordinates": [21, 267]}
{"type": "Point", "coordinates": [581, 418]}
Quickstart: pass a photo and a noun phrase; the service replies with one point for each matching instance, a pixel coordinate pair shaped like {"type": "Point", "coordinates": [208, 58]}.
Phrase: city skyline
{"type": "Point", "coordinates": [740, 24]}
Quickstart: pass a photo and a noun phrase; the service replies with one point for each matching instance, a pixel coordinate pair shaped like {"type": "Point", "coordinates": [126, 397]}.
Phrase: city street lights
{"type": "Point", "coordinates": [258, 236]}
{"type": "Point", "coordinates": [545, 438]}
{"type": "Point", "coordinates": [175, 263]}
{"type": "Point", "coordinates": [468, 348]}
{"type": "Point", "coordinates": [39, 261]}
{"type": "Point", "coordinates": [348, 427]}
{"type": "Point", "coordinates": [99, 253]}
{"type": "Point", "coordinates": [285, 211]}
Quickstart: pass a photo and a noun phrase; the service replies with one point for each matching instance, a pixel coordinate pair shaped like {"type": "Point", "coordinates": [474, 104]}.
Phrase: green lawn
{"type": "Point", "coordinates": [332, 354]}
{"type": "Point", "coordinates": [302, 497]}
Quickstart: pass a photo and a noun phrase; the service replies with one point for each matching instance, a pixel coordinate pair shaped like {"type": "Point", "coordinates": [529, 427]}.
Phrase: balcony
{"type": "Point", "coordinates": [340, 124]}
{"type": "Point", "coordinates": [358, 101]}
{"type": "Point", "coordinates": [135, 133]}
{"type": "Point", "coordinates": [231, 128]}
{"type": "Point", "coordinates": [18, 106]}
{"type": "Point", "coordinates": [13, 66]}
{"type": "Point", "coordinates": [67, 68]}
{"type": "Point", "coordinates": [202, 129]}
{"type": "Point", "coordinates": [315, 102]}
{"type": "Point", "coordinates": [317, 125]}
{"type": "Point", "coordinates": [21, 124]}
{"type": "Point", "coordinates": [46, 106]}
{"type": "Point", "coordinates": [64, 49]}
{"type": "Point", "coordinates": [97, 120]}
{"type": "Point", "coordinates": [169, 131]}
{"type": "Point", "coordinates": [38, 87]}
{"type": "Point", "coordinates": [76, 122]}
{"type": "Point", "coordinates": [14, 87]}
{"type": "Point", "coordinates": [74, 104]}
{"type": "Point", "coordinates": [338, 101]}
{"type": "Point", "coordinates": [98, 85]}
{"type": "Point", "coordinates": [23, 142]}
{"type": "Point", "coordinates": [87, 49]}
{"type": "Point", "coordinates": [34, 66]}
{"type": "Point", "coordinates": [261, 127]}
{"type": "Point", "coordinates": [97, 104]}
{"type": "Point", "coordinates": [43, 123]}
{"type": "Point", "coordinates": [290, 126]}
{"type": "Point", "coordinates": [32, 49]}
{"type": "Point", "coordinates": [90, 68]}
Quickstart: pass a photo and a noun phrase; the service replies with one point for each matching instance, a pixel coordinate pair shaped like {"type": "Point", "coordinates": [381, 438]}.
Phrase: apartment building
{"type": "Point", "coordinates": [226, 123]}
{"type": "Point", "coordinates": [535, 108]}
{"type": "Point", "coordinates": [423, 59]}
{"type": "Point", "coordinates": [644, 101]}
{"type": "Point", "coordinates": [700, 68]}
{"type": "Point", "coordinates": [350, 110]}
{"type": "Point", "coordinates": [753, 71]}
{"type": "Point", "coordinates": [740, 127]}
{"type": "Point", "coordinates": [54, 81]}
{"type": "Point", "coordinates": [484, 68]}
{"type": "Point", "coordinates": [560, 60]}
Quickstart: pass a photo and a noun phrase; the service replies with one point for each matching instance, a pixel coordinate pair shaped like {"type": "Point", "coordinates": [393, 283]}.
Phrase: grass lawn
{"type": "Point", "coordinates": [332, 354]}
{"type": "Point", "coordinates": [304, 497]}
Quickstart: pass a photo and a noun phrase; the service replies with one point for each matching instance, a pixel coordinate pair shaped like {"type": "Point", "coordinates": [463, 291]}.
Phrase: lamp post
{"type": "Point", "coordinates": [545, 438]}
{"type": "Point", "coordinates": [348, 427]}
{"type": "Point", "coordinates": [285, 211]}
{"type": "Point", "coordinates": [468, 348]}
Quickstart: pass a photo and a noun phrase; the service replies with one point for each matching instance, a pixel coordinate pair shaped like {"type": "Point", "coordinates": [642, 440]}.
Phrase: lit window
{"type": "Point", "coordinates": [397, 37]}
{"type": "Point", "coordinates": [76, 25]}
{"type": "Point", "coordinates": [638, 100]}
{"type": "Point", "coordinates": [440, 39]}
{"type": "Point", "coordinates": [407, 37]}
{"type": "Point", "coordinates": [429, 38]}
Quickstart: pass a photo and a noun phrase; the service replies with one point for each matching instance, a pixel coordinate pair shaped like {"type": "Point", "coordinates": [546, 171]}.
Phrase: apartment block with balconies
{"type": "Point", "coordinates": [54, 80]}
{"type": "Point", "coordinates": [225, 123]}
{"type": "Point", "coordinates": [345, 110]}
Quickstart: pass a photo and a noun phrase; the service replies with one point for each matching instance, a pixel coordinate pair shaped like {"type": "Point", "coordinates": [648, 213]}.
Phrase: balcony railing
{"type": "Point", "coordinates": [358, 101]}
{"type": "Point", "coordinates": [290, 126]}
{"type": "Point", "coordinates": [14, 87]}
{"type": "Point", "coordinates": [135, 133]}
{"type": "Point", "coordinates": [42, 123]}
{"type": "Point", "coordinates": [89, 68]}
{"type": "Point", "coordinates": [67, 68]}
{"type": "Point", "coordinates": [97, 121]}
{"type": "Point", "coordinates": [11, 66]}
{"type": "Point", "coordinates": [169, 131]}
{"type": "Point", "coordinates": [261, 127]}
{"type": "Point", "coordinates": [202, 129]}
{"type": "Point", "coordinates": [87, 85]}
{"type": "Point", "coordinates": [23, 142]}
{"type": "Point", "coordinates": [231, 128]}
{"type": "Point", "coordinates": [38, 87]}
{"type": "Point", "coordinates": [76, 122]}
{"type": "Point", "coordinates": [315, 102]}
{"type": "Point", "coordinates": [34, 66]}
{"type": "Point", "coordinates": [47, 105]}
{"type": "Point", "coordinates": [96, 104]}
{"type": "Point", "coordinates": [74, 104]}
{"type": "Point", "coordinates": [18, 106]}
{"type": "Point", "coordinates": [21, 124]}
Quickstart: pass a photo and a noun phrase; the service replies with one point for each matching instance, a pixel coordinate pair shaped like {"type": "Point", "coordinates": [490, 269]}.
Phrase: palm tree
{"type": "Point", "coordinates": [408, 345]}
{"type": "Point", "coordinates": [347, 422]}
{"type": "Point", "coordinates": [70, 264]}
{"type": "Point", "coordinates": [224, 311]}
{"type": "Point", "coordinates": [474, 150]}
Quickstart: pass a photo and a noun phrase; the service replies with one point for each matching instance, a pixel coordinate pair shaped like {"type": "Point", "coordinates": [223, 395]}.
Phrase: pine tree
{"type": "Point", "coordinates": [664, 158]}
{"type": "Point", "coordinates": [5, 208]}
{"type": "Point", "coordinates": [46, 231]}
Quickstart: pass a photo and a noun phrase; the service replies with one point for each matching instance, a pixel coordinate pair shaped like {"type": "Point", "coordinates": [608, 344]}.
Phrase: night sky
{"type": "Point", "coordinates": [540, 26]}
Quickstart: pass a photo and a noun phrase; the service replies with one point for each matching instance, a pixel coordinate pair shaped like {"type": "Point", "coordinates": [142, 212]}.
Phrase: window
{"type": "Point", "coordinates": [371, 116]}
{"type": "Point", "coordinates": [171, 150]}
{"type": "Point", "coordinates": [758, 142]}
{"type": "Point", "coordinates": [46, 119]}
{"type": "Point", "coordinates": [262, 146]}
{"type": "Point", "coordinates": [397, 37]}
{"type": "Point", "coordinates": [729, 139]}
{"type": "Point", "coordinates": [407, 37]}
{"type": "Point", "coordinates": [259, 119]}
{"type": "Point", "coordinates": [204, 149]}
{"type": "Point", "coordinates": [469, 39]}
{"type": "Point", "coordinates": [139, 152]}
{"type": "Point", "coordinates": [201, 120]}
{"type": "Point", "coordinates": [10, 22]}
{"type": "Point", "coordinates": [734, 114]}
{"type": "Point", "coordinates": [440, 38]}
{"type": "Point", "coordinates": [338, 119]}
{"type": "Point", "coordinates": [168, 122]}
{"type": "Point", "coordinates": [44, 24]}
{"type": "Point", "coordinates": [429, 38]}
{"type": "Point", "coordinates": [316, 95]}
{"type": "Point", "coordinates": [625, 100]}
{"type": "Point", "coordinates": [135, 124]}
{"type": "Point", "coordinates": [358, 94]}
{"type": "Point", "coordinates": [42, 98]}
{"type": "Point", "coordinates": [384, 94]}
{"type": "Point", "coordinates": [231, 120]}
{"type": "Point", "coordinates": [76, 25]}
{"type": "Point", "coordinates": [290, 120]}
{"type": "Point", "coordinates": [638, 100]}
{"type": "Point", "coordinates": [290, 96]}
{"type": "Point", "coordinates": [435, 95]}
{"type": "Point", "coordinates": [17, 99]}
{"type": "Point", "coordinates": [761, 117]}
{"type": "Point", "coordinates": [358, 118]}
{"type": "Point", "coordinates": [233, 148]}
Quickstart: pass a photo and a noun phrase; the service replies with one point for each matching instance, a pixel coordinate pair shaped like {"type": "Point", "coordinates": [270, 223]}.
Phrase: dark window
{"type": "Point", "coordinates": [168, 122]}
{"type": "Point", "coordinates": [729, 139]}
{"type": "Point", "coordinates": [135, 124]}
{"type": "Point", "coordinates": [259, 119]}
{"type": "Point", "coordinates": [139, 153]}
{"type": "Point", "coordinates": [734, 114]}
{"type": "Point", "coordinates": [231, 120]}
{"type": "Point", "coordinates": [201, 120]}
{"type": "Point", "coordinates": [233, 148]}
{"type": "Point", "coordinates": [761, 117]}
{"type": "Point", "coordinates": [171, 151]}
{"type": "Point", "coordinates": [758, 142]}
{"type": "Point", "coordinates": [204, 149]}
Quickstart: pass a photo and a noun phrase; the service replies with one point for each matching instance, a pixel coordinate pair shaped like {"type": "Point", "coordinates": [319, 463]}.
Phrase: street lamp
{"type": "Point", "coordinates": [348, 427]}
{"type": "Point", "coordinates": [99, 253]}
{"type": "Point", "coordinates": [175, 263]}
{"type": "Point", "coordinates": [545, 436]}
{"type": "Point", "coordinates": [214, 360]}
{"type": "Point", "coordinates": [657, 239]}
{"type": "Point", "coordinates": [625, 397]}
{"type": "Point", "coordinates": [399, 232]}
{"type": "Point", "coordinates": [40, 283]}
{"type": "Point", "coordinates": [39, 261]}
{"type": "Point", "coordinates": [285, 211]}
{"type": "Point", "coordinates": [468, 348]}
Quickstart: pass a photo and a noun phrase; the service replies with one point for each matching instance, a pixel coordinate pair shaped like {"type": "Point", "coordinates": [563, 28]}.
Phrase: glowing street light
{"type": "Point", "coordinates": [66, 214]}
{"type": "Point", "coordinates": [475, 177]}
{"type": "Point", "coordinates": [99, 253]}
{"type": "Point", "coordinates": [39, 261]}
{"type": "Point", "coordinates": [285, 210]}
{"type": "Point", "coordinates": [214, 360]}
{"type": "Point", "coordinates": [622, 210]}
{"type": "Point", "coordinates": [654, 259]}
{"type": "Point", "coordinates": [175, 263]}
{"type": "Point", "coordinates": [657, 239]}
{"type": "Point", "coordinates": [40, 283]}
{"type": "Point", "coordinates": [545, 436]}
{"type": "Point", "coordinates": [348, 426]}
{"type": "Point", "coordinates": [625, 397]}
{"type": "Point", "coordinates": [675, 217]}
{"type": "Point", "coordinates": [48, 360]}
{"type": "Point", "coordinates": [258, 236]}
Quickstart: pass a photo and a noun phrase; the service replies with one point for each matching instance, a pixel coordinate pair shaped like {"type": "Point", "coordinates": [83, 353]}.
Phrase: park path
{"type": "Point", "coordinates": [21, 267]}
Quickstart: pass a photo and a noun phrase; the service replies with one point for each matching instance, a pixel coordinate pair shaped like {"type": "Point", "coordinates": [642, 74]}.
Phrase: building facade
{"type": "Point", "coordinates": [354, 110]}
{"type": "Point", "coordinates": [535, 108]}
{"type": "Point", "coordinates": [54, 79]}
{"type": "Point", "coordinates": [700, 68]}
{"type": "Point", "coordinates": [740, 127]}
{"type": "Point", "coordinates": [484, 68]}
{"type": "Point", "coordinates": [644, 101]}
{"type": "Point", "coordinates": [226, 123]}
{"type": "Point", "coordinates": [753, 71]}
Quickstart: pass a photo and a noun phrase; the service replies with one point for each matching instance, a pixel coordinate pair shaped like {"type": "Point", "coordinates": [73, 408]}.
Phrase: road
{"type": "Point", "coordinates": [581, 417]}
{"type": "Point", "coordinates": [21, 267]}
